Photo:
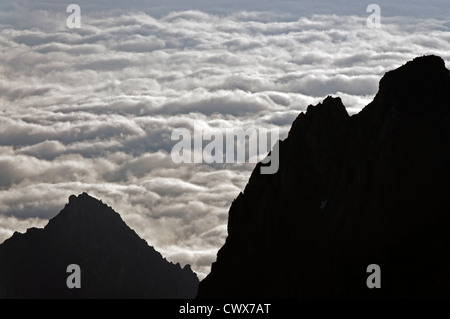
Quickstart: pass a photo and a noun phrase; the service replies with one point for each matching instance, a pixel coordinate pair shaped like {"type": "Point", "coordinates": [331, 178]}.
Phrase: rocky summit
{"type": "Point", "coordinates": [351, 191]}
{"type": "Point", "coordinates": [113, 261]}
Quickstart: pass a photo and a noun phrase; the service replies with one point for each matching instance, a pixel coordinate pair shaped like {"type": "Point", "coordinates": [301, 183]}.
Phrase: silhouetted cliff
{"type": "Point", "coordinates": [372, 188]}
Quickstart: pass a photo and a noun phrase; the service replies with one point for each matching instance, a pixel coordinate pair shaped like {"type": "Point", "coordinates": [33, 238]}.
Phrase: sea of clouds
{"type": "Point", "coordinates": [92, 109]}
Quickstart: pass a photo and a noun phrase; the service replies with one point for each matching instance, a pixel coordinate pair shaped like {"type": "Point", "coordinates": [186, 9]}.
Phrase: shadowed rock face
{"type": "Point", "coordinates": [114, 261]}
{"type": "Point", "coordinates": [372, 188]}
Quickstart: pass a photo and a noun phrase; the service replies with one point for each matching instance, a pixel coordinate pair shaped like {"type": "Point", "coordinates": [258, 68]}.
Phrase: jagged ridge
{"type": "Point", "coordinates": [351, 191]}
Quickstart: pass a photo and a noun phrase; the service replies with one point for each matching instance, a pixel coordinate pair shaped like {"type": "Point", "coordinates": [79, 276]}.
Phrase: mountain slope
{"type": "Point", "coordinates": [114, 261]}
{"type": "Point", "coordinates": [351, 191]}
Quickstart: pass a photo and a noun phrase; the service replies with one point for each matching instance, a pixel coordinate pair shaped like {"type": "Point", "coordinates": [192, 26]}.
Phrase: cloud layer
{"type": "Point", "coordinates": [93, 109]}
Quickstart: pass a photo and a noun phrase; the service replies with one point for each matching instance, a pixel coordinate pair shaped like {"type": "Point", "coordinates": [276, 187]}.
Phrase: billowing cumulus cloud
{"type": "Point", "coordinates": [93, 109]}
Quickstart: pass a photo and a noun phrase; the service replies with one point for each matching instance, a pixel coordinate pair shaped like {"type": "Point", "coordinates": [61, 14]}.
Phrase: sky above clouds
{"type": "Point", "coordinates": [93, 109]}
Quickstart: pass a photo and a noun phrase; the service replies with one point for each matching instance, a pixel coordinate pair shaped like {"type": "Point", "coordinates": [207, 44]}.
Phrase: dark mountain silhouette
{"type": "Point", "coordinates": [351, 191]}
{"type": "Point", "coordinates": [114, 261]}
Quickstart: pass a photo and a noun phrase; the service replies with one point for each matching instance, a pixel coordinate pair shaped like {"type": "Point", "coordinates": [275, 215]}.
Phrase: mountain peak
{"type": "Point", "coordinates": [331, 105]}
{"type": "Point", "coordinates": [115, 262]}
{"type": "Point", "coordinates": [423, 65]}
{"type": "Point", "coordinates": [418, 73]}
{"type": "Point", "coordinates": [84, 195]}
{"type": "Point", "coordinates": [83, 198]}
{"type": "Point", "coordinates": [86, 214]}
{"type": "Point", "coordinates": [418, 84]}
